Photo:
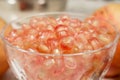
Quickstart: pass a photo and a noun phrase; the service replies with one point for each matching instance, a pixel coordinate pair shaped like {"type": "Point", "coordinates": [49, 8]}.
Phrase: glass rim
{"type": "Point", "coordinates": [115, 40]}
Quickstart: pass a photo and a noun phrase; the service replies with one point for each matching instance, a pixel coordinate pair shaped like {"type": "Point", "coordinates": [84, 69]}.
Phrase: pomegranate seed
{"type": "Point", "coordinates": [61, 35]}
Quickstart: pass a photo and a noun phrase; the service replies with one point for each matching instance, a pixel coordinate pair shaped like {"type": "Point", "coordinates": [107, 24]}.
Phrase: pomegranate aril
{"type": "Point", "coordinates": [27, 45]}
{"type": "Point", "coordinates": [62, 33]}
{"type": "Point", "coordinates": [94, 23]}
{"type": "Point", "coordinates": [15, 36]}
{"type": "Point", "coordinates": [41, 25]}
{"type": "Point", "coordinates": [52, 43]}
{"type": "Point", "coordinates": [42, 75]}
{"type": "Point", "coordinates": [13, 33]}
{"type": "Point", "coordinates": [45, 34]}
{"type": "Point", "coordinates": [79, 47]}
{"type": "Point", "coordinates": [88, 47]}
{"type": "Point", "coordinates": [61, 19]}
{"type": "Point", "coordinates": [76, 49]}
{"type": "Point", "coordinates": [77, 29]}
{"type": "Point", "coordinates": [59, 22]}
{"type": "Point", "coordinates": [56, 51]}
{"type": "Point", "coordinates": [32, 34]}
{"type": "Point", "coordinates": [26, 26]}
{"type": "Point", "coordinates": [48, 64]}
{"type": "Point", "coordinates": [52, 21]}
{"type": "Point", "coordinates": [70, 62]}
{"type": "Point", "coordinates": [67, 43]}
{"type": "Point", "coordinates": [95, 43]}
{"type": "Point", "coordinates": [43, 48]}
{"type": "Point", "coordinates": [65, 18]}
{"type": "Point", "coordinates": [92, 20]}
{"type": "Point", "coordinates": [34, 46]}
{"type": "Point", "coordinates": [75, 23]}
{"type": "Point", "coordinates": [18, 42]}
{"type": "Point", "coordinates": [33, 21]}
{"type": "Point", "coordinates": [105, 38]}
{"type": "Point", "coordinates": [61, 27]}
{"type": "Point", "coordinates": [58, 68]}
{"type": "Point", "coordinates": [83, 38]}
{"type": "Point", "coordinates": [50, 27]}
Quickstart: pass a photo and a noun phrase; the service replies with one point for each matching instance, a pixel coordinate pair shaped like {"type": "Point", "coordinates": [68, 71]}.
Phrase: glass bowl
{"type": "Point", "coordinates": [86, 65]}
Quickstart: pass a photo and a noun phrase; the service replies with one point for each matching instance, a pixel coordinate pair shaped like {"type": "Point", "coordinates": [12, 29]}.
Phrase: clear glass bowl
{"type": "Point", "coordinates": [89, 65]}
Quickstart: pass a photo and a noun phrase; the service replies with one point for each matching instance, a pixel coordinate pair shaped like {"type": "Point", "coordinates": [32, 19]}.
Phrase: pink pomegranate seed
{"type": "Point", "coordinates": [61, 27]}
{"type": "Point", "coordinates": [52, 43]}
{"type": "Point", "coordinates": [45, 34]}
{"type": "Point", "coordinates": [70, 62]}
{"type": "Point", "coordinates": [33, 21]}
{"type": "Point", "coordinates": [43, 48]}
{"type": "Point", "coordinates": [67, 43]}
{"type": "Point", "coordinates": [61, 35]}
{"type": "Point", "coordinates": [49, 63]}
{"type": "Point", "coordinates": [95, 43]}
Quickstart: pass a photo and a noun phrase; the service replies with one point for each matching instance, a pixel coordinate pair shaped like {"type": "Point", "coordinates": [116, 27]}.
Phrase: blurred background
{"type": "Point", "coordinates": [12, 9]}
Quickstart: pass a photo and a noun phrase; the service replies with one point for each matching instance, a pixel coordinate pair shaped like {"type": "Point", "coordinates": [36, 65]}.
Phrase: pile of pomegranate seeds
{"type": "Point", "coordinates": [61, 35]}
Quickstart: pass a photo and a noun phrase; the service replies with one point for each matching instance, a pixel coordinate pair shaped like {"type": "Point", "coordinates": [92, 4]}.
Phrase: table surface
{"type": "Point", "coordinates": [71, 6]}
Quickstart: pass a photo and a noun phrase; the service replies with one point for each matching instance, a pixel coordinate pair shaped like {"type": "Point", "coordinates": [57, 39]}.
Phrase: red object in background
{"type": "Point", "coordinates": [23, 5]}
